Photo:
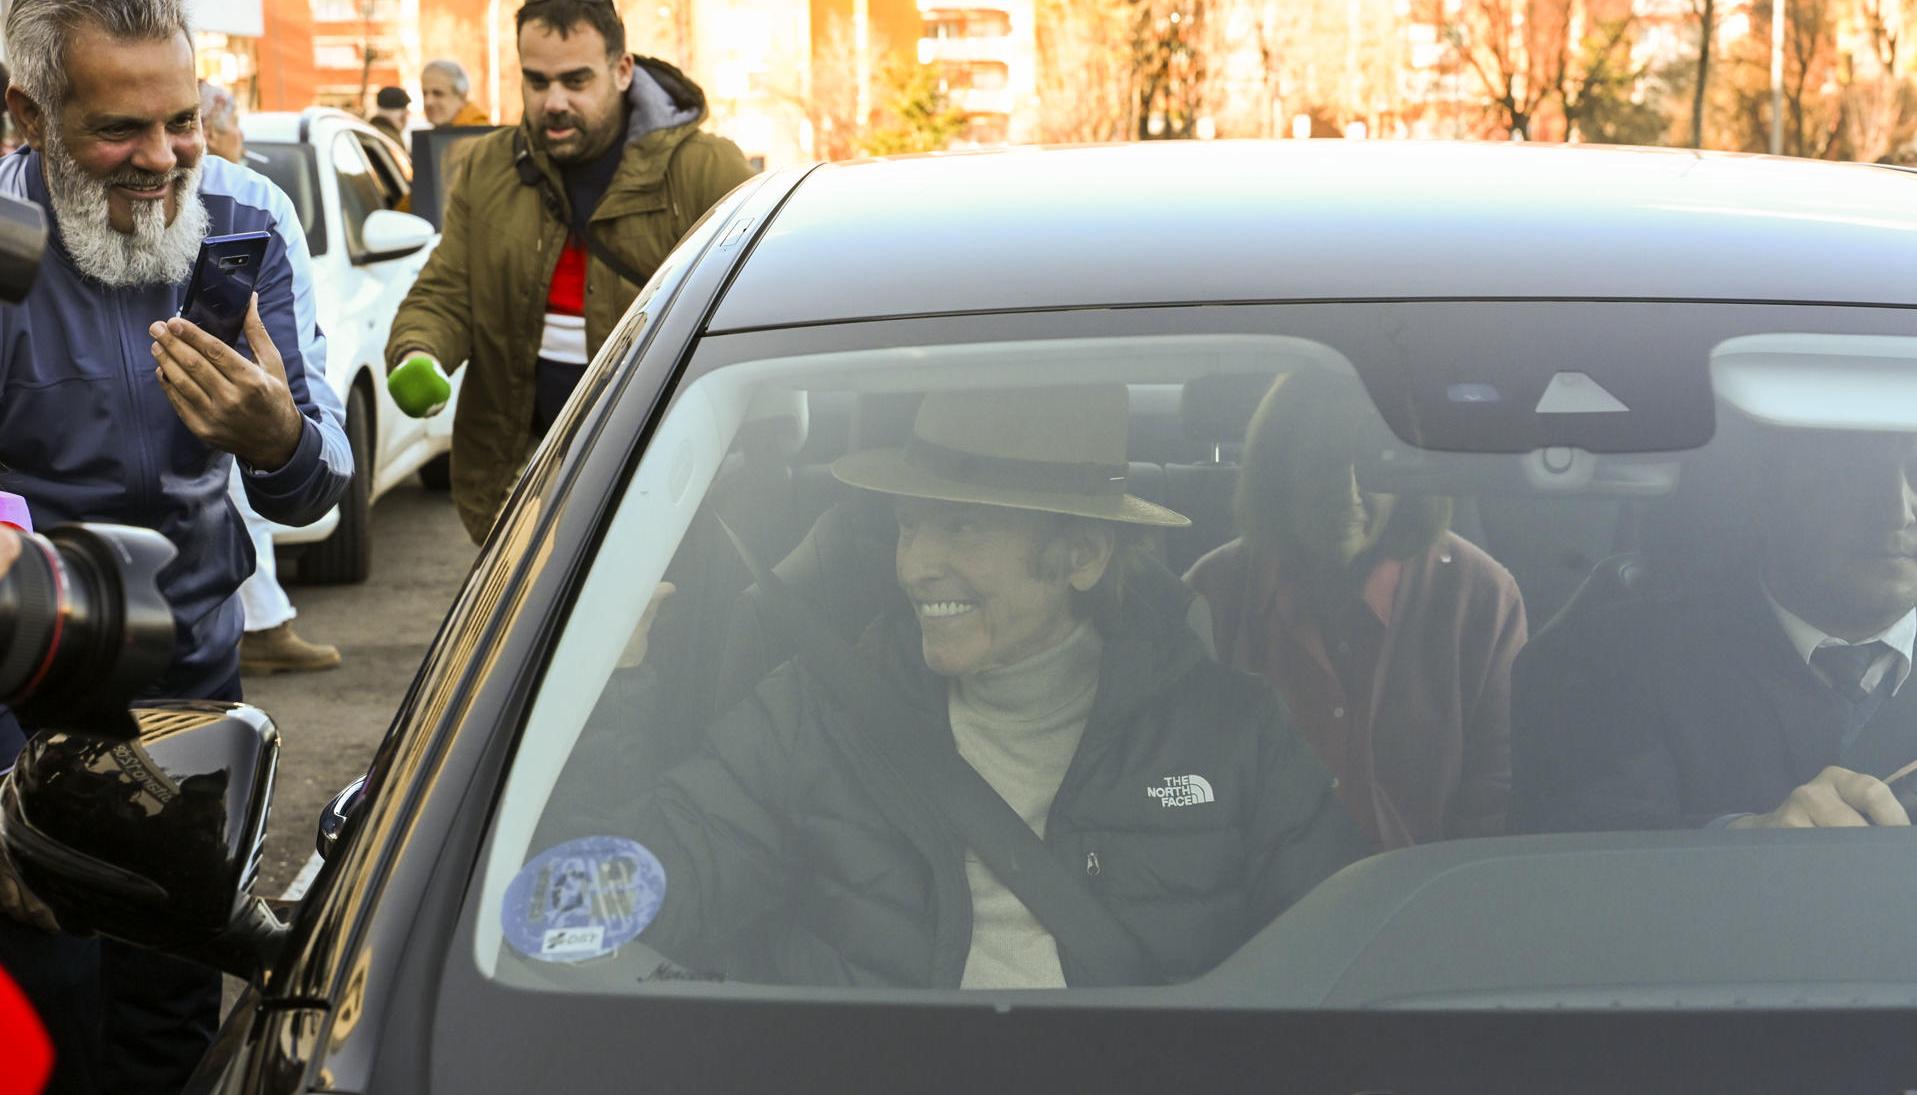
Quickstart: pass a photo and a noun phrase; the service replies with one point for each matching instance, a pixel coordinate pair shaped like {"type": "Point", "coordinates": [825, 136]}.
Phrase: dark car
{"type": "Point", "coordinates": [1595, 371]}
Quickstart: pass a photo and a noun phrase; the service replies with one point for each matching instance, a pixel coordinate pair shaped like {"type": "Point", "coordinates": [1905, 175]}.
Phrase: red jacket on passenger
{"type": "Point", "coordinates": [1405, 694]}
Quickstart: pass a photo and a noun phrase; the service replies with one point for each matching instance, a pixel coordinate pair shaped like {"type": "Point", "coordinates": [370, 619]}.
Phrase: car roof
{"type": "Point", "coordinates": [290, 126]}
{"type": "Point", "coordinates": [1188, 221]}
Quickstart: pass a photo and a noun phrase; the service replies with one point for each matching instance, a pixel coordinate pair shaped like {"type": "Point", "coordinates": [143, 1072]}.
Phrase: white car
{"type": "Point", "coordinates": [348, 182]}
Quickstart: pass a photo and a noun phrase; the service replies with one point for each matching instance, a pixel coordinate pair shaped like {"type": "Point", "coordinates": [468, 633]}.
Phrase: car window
{"type": "Point", "coordinates": [294, 169]}
{"type": "Point", "coordinates": [392, 171]}
{"type": "Point", "coordinates": [360, 192]}
{"type": "Point", "coordinates": [1189, 621]}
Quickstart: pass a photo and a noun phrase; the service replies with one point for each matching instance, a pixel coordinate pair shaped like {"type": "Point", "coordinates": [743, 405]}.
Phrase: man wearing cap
{"type": "Point", "coordinates": [389, 112]}
{"type": "Point", "coordinates": [1042, 644]}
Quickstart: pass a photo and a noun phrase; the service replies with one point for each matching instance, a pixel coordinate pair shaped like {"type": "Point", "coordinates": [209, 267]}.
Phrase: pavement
{"type": "Point", "coordinates": [331, 722]}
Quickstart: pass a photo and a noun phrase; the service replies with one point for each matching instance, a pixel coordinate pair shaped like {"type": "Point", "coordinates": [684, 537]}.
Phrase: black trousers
{"type": "Point", "coordinates": [124, 1021]}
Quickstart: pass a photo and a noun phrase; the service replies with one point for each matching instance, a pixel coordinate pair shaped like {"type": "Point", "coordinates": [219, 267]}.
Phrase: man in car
{"type": "Point", "coordinates": [540, 257]}
{"type": "Point", "coordinates": [1780, 699]}
{"type": "Point", "coordinates": [113, 410]}
{"type": "Point", "coordinates": [1041, 644]}
{"type": "Point", "coordinates": [443, 91]}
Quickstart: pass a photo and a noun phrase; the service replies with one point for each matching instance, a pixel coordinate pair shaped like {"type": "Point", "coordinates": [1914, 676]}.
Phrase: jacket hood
{"type": "Point", "coordinates": [661, 97]}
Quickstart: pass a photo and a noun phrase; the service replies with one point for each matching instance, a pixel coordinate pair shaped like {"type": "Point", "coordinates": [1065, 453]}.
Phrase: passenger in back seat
{"type": "Point", "coordinates": [1390, 637]}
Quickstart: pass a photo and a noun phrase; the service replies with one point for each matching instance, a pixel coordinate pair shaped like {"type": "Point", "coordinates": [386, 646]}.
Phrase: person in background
{"type": "Point", "coordinates": [443, 91]}
{"type": "Point", "coordinates": [7, 141]}
{"type": "Point", "coordinates": [220, 121]}
{"type": "Point", "coordinates": [390, 113]}
{"type": "Point", "coordinates": [1390, 637]}
{"type": "Point", "coordinates": [532, 274]}
{"type": "Point", "coordinates": [269, 644]}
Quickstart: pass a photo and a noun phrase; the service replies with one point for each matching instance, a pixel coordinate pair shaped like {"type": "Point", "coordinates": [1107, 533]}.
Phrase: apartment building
{"type": "Point", "coordinates": [986, 54]}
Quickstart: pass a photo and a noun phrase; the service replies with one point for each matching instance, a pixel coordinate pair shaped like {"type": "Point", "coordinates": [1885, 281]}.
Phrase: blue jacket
{"type": "Point", "coordinates": [86, 434]}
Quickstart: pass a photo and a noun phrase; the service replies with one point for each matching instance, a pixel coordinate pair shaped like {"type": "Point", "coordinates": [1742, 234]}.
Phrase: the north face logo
{"type": "Point", "coordinates": [1182, 791]}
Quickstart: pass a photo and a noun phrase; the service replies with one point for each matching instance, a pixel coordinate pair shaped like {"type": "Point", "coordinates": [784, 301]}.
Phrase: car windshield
{"type": "Point", "coordinates": [1171, 651]}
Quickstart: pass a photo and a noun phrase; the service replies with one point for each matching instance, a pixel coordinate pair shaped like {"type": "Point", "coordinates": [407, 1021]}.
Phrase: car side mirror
{"type": "Point", "coordinates": [339, 810]}
{"type": "Point", "coordinates": [154, 840]}
{"type": "Point", "coordinates": [390, 234]}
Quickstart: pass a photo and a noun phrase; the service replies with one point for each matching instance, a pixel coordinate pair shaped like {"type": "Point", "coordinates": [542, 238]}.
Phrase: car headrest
{"type": "Point", "coordinates": [1217, 410]}
{"type": "Point", "coordinates": [775, 426]}
{"type": "Point", "coordinates": [883, 419]}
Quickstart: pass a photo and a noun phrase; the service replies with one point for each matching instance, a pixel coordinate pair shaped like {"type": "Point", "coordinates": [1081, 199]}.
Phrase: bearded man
{"type": "Point", "coordinates": [551, 229]}
{"type": "Point", "coordinates": [113, 409]}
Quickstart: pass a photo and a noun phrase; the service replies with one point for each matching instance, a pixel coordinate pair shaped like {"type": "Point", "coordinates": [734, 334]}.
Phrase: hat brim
{"type": "Point", "coordinates": [888, 472]}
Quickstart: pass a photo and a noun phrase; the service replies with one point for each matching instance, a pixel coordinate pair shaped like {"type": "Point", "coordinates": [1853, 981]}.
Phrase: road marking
{"type": "Point", "coordinates": [297, 888]}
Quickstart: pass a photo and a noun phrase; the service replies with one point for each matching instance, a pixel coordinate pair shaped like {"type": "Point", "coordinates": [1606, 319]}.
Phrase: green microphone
{"type": "Point", "coordinates": [419, 386]}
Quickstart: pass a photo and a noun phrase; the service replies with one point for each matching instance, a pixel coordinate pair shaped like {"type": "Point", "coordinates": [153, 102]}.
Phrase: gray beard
{"type": "Point", "coordinates": [154, 253]}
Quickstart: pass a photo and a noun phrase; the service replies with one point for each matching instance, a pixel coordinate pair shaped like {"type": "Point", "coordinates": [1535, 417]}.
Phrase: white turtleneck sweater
{"type": "Point", "coordinates": [1019, 726]}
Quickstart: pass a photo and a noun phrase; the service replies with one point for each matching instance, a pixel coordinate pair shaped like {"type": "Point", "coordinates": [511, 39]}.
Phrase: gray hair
{"type": "Point", "coordinates": [461, 85]}
{"type": "Point", "coordinates": [218, 110]}
{"type": "Point", "coordinates": [38, 32]}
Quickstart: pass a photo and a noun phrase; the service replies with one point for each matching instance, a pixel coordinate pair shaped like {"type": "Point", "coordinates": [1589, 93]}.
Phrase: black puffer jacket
{"type": "Point", "coordinates": [793, 854]}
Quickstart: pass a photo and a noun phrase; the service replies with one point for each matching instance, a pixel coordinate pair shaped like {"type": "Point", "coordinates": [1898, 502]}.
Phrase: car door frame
{"type": "Point", "coordinates": [352, 1022]}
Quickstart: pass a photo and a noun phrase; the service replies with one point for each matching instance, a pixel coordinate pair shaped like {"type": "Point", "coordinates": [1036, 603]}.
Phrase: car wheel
{"type": "Point", "coordinates": [347, 555]}
{"type": "Point", "coordinates": [437, 473]}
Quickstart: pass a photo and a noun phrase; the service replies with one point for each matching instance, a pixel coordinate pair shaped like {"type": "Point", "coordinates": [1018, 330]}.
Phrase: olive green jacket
{"type": "Point", "coordinates": [481, 299]}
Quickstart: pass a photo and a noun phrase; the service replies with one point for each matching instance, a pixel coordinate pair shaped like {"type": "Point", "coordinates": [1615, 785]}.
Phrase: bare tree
{"type": "Point", "coordinates": [1518, 50]}
{"type": "Point", "coordinates": [1706, 13]}
{"type": "Point", "coordinates": [1086, 89]}
{"type": "Point", "coordinates": [1598, 93]}
{"type": "Point", "coordinates": [1877, 110]}
{"type": "Point", "coordinates": [829, 98]}
{"type": "Point", "coordinates": [1169, 66]}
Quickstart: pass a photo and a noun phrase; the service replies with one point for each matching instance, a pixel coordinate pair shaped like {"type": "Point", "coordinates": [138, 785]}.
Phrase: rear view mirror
{"type": "Point", "coordinates": [155, 840]}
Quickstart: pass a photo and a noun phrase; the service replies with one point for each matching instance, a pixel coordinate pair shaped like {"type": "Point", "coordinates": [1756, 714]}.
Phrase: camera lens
{"type": "Point", "coordinates": [82, 624]}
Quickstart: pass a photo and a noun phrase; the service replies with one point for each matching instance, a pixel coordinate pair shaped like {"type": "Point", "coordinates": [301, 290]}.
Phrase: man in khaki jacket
{"type": "Point", "coordinates": [516, 288]}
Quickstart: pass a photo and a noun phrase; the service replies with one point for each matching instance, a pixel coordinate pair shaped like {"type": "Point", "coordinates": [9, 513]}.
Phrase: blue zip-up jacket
{"type": "Point", "coordinates": [86, 434]}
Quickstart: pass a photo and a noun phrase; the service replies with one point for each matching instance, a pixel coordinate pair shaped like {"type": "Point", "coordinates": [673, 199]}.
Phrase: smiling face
{"type": "Point", "coordinates": [130, 120]}
{"type": "Point", "coordinates": [1842, 535]}
{"type": "Point", "coordinates": [122, 156]}
{"type": "Point", "coordinates": [574, 92]}
{"type": "Point", "coordinates": [993, 586]}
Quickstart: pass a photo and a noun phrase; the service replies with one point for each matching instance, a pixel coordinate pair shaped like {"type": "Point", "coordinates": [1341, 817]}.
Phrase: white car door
{"type": "Point", "coordinates": [410, 442]}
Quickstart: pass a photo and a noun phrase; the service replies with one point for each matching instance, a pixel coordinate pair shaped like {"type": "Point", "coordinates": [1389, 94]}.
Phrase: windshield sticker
{"type": "Point", "coordinates": [583, 899]}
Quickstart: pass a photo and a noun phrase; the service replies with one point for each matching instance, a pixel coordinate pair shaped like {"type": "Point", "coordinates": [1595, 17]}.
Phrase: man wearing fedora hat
{"type": "Point", "coordinates": [1043, 646]}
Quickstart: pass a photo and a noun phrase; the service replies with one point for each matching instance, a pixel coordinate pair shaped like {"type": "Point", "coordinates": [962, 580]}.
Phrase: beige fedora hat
{"type": "Point", "coordinates": [1058, 450]}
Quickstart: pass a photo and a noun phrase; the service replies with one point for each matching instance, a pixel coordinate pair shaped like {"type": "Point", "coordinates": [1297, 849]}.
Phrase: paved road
{"type": "Point", "coordinates": [331, 722]}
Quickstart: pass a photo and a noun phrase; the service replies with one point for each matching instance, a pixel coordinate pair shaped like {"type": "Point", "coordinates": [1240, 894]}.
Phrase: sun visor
{"type": "Point", "coordinates": [1820, 382]}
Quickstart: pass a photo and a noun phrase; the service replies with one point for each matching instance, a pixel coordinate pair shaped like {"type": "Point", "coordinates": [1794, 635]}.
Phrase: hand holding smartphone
{"type": "Point", "coordinates": [224, 279]}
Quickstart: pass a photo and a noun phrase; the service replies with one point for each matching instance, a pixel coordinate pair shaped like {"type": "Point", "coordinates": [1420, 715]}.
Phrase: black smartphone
{"type": "Point", "coordinates": [224, 277]}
